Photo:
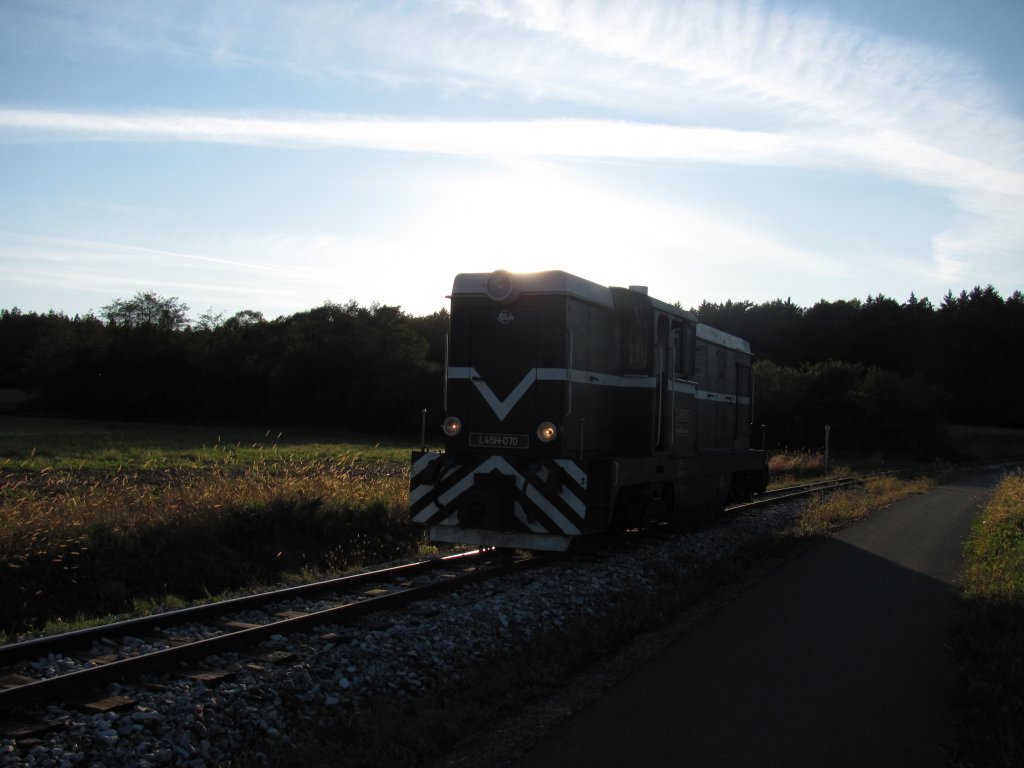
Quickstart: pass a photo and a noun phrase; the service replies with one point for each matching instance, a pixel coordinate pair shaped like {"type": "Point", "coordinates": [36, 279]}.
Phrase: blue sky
{"type": "Point", "coordinates": [272, 156]}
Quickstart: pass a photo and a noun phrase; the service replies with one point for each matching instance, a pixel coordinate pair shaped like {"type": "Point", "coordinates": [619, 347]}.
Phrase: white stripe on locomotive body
{"type": "Point", "coordinates": [534, 495]}
{"type": "Point", "coordinates": [452, 493]}
{"type": "Point", "coordinates": [417, 492]}
{"type": "Point", "coordinates": [720, 397]}
{"type": "Point", "coordinates": [423, 462]}
{"type": "Point", "coordinates": [722, 339]}
{"type": "Point", "coordinates": [503, 408]}
{"type": "Point", "coordinates": [573, 470]}
{"type": "Point", "coordinates": [566, 495]}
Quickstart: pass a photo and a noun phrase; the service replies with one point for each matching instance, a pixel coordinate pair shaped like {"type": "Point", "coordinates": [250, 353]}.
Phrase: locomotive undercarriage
{"type": "Point", "coordinates": [683, 490]}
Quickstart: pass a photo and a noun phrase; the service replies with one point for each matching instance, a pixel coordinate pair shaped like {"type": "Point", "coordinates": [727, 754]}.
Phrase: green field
{"type": "Point", "coordinates": [38, 444]}
{"type": "Point", "coordinates": [104, 518]}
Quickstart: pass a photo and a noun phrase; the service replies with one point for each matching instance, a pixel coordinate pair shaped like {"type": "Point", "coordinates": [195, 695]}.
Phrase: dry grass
{"type": "Point", "coordinates": [826, 512]}
{"type": "Point", "coordinates": [53, 507]}
{"type": "Point", "coordinates": [785, 468]}
{"type": "Point", "coordinates": [988, 643]}
{"type": "Point", "coordinates": [80, 543]}
{"type": "Point", "coordinates": [799, 462]}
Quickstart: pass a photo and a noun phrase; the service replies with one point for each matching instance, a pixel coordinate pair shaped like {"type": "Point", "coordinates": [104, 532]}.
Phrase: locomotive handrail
{"type": "Point", "coordinates": [659, 393]}
{"type": "Point", "coordinates": [447, 342]}
{"type": "Point", "coordinates": [568, 375]}
{"type": "Point", "coordinates": [670, 383]}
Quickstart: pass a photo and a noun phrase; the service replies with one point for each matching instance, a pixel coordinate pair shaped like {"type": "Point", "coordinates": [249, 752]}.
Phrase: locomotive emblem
{"type": "Point", "coordinates": [505, 317]}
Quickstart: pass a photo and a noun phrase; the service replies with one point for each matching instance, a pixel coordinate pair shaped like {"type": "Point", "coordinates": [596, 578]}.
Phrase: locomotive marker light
{"type": "Point", "coordinates": [547, 432]}
{"type": "Point", "coordinates": [452, 426]}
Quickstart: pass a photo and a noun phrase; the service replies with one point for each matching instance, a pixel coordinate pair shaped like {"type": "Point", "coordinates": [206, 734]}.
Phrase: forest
{"type": "Point", "coordinates": [883, 374]}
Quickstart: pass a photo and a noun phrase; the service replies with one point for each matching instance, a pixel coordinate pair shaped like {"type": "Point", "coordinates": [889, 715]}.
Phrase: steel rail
{"type": "Point", "coordinates": [85, 679]}
{"type": "Point", "coordinates": [14, 653]}
{"type": "Point", "coordinates": [795, 492]}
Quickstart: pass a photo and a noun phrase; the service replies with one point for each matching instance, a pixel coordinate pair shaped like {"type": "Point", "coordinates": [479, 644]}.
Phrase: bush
{"type": "Point", "coordinates": [866, 408]}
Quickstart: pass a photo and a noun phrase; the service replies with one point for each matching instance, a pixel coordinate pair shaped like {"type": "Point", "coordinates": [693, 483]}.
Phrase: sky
{"type": "Point", "coordinates": [270, 156]}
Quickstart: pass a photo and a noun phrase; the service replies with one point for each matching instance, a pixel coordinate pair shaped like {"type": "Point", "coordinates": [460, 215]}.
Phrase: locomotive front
{"type": "Point", "coordinates": [508, 476]}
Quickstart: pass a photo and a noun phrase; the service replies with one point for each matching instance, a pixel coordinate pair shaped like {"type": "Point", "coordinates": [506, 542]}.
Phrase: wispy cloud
{"type": "Point", "coordinates": [214, 270]}
{"type": "Point", "coordinates": [978, 186]}
{"type": "Point", "coordinates": [567, 138]}
{"type": "Point", "coordinates": [734, 82]}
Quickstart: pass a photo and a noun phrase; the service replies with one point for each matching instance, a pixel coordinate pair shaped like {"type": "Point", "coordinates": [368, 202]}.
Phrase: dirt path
{"type": "Point", "coordinates": [838, 658]}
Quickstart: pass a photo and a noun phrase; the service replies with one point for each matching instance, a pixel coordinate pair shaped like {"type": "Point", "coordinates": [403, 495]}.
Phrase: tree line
{"type": "Point", "coordinates": [339, 365]}
{"type": "Point", "coordinates": [969, 347]}
{"type": "Point", "coordinates": [885, 372]}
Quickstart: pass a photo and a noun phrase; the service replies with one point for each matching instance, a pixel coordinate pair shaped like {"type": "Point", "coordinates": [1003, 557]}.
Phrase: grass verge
{"type": "Point", "coordinates": [988, 643]}
{"type": "Point", "coordinates": [826, 512]}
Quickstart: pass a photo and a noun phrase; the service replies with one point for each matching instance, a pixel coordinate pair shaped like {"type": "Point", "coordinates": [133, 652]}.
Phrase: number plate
{"type": "Point", "coordinates": [494, 440]}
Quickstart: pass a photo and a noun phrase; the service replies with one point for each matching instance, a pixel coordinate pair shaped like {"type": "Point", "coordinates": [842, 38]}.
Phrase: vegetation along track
{"type": "Point", "coordinates": [93, 657]}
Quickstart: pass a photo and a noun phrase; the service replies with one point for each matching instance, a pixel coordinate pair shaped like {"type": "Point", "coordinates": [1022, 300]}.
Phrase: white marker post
{"type": "Point", "coordinates": [827, 430]}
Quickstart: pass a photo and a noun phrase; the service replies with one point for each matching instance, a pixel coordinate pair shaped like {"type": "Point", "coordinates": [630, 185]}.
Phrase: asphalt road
{"type": "Point", "coordinates": [838, 658]}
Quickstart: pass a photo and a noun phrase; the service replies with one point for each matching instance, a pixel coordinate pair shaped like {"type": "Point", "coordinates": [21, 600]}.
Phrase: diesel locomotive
{"type": "Point", "coordinates": [572, 409]}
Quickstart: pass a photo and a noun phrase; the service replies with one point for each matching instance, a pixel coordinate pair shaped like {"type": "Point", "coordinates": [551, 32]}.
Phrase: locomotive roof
{"type": "Point", "coordinates": [551, 282]}
{"type": "Point", "coordinates": [557, 282]}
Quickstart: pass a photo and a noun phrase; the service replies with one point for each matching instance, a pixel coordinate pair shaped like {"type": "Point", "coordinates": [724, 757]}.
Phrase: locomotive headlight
{"type": "Point", "coordinates": [501, 286]}
{"type": "Point", "coordinates": [452, 426]}
{"type": "Point", "coordinates": [547, 432]}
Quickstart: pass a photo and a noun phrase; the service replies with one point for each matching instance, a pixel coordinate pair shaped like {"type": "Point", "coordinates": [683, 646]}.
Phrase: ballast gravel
{"type": "Point", "coordinates": [329, 675]}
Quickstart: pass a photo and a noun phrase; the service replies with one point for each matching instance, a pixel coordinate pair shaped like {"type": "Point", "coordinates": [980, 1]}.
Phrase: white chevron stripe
{"type": "Point", "coordinates": [532, 493]}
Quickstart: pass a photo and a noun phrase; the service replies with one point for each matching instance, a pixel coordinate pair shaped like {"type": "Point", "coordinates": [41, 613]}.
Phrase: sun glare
{"type": "Point", "coordinates": [529, 218]}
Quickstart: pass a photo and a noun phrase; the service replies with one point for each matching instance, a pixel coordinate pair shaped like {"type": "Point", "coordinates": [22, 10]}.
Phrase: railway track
{"type": "Point", "coordinates": [74, 663]}
{"type": "Point", "coordinates": [796, 491]}
{"type": "Point", "coordinates": [94, 657]}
